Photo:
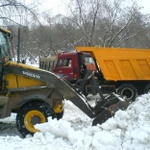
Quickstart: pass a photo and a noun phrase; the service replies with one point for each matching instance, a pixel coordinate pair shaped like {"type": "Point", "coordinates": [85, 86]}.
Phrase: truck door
{"type": "Point", "coordinates": [65, 68]}
{"type": "Point", "coordinates": [82, 66]}
{"type": "Point", "coordinates": [89, 62]}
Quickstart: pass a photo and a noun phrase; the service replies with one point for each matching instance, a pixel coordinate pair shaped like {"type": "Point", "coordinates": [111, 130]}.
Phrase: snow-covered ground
{"type": "Point", "coordinates": [127, 130]}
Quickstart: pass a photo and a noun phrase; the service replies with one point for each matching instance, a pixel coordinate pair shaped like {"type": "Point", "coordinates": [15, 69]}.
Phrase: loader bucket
{"type": "Point", "coordinates": [110, 110]}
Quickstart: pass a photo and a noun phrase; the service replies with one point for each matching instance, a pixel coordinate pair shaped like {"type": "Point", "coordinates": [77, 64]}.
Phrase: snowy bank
{"type": "Point", "coordinates": [127, 130]}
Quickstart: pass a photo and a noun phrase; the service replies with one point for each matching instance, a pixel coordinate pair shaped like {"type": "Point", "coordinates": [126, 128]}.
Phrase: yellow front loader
{"type": "Point", "coordinates": [35, 94]}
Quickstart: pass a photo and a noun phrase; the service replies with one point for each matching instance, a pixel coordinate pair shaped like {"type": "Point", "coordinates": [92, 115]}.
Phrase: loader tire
{"type": "Point", "coordinates": [147, 89]}
{"type": "Point", "coordinates": [128, 90]}
{"type": "Point", "coordinates": [31, 114]}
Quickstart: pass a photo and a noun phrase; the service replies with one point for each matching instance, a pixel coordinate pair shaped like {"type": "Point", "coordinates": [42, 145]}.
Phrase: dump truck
{"type": "Point", "coordinates": [122, 70]}
{"type": "Point", "coordinates": [35, 94]}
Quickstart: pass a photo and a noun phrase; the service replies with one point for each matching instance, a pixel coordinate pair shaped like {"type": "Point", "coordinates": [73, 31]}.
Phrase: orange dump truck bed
{"type": "Point", "coordinates": [121, 63]}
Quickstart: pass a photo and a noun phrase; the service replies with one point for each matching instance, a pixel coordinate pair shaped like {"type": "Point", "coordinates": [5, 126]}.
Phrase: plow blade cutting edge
{"type": "Point", "coordinates": [110, 109]}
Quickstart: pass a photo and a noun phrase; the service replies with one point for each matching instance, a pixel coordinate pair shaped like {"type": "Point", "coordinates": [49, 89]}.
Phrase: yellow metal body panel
{"type": "Point", "coordinates": [22, 65]}
{"type": "Point", "coordinates": [20, 81]}
{"type": "Point", "coordinates": [121, 63]}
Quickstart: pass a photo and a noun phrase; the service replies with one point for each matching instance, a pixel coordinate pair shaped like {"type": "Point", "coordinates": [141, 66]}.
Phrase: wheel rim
{"type": "Point", "coordinates": [33, 117]}
{"type": "Point", "coordinates": [128, 92]}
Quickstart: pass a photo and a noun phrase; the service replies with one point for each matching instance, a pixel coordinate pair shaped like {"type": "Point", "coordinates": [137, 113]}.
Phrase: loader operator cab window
{"type": "Point", "coordinates": [4, 52]}
{"type": "Point", "coordinates": [4, 46]}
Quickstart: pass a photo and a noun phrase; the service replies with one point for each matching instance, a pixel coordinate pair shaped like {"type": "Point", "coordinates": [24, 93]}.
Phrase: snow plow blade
{"type": "Point", "coordinates": [109, 111]}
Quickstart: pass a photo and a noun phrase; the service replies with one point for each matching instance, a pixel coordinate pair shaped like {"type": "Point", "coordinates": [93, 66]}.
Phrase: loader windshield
{"type": "Point", "coordinates": [4, 45]}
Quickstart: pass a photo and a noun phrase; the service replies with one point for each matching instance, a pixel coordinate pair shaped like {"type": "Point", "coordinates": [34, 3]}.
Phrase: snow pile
{"type": "Point", "coordinates": [127, 130]}
{"type": "Point", "coordinates": [132, 127]}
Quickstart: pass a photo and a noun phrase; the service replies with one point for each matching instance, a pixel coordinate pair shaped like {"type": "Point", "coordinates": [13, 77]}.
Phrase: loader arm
{"type": "Point", "coordinates": [51, 81]}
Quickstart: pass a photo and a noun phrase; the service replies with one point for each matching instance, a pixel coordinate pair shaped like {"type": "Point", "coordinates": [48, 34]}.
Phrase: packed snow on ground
{"type": "Point", "coordinates": [127, 130]}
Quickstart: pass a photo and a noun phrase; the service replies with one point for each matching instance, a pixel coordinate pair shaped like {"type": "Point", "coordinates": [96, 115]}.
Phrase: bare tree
{"type": "Point", "coordinates": [84, 16]}
{"type": "Point", "coordinates": [103, 22]}
{"type": "Point", "coordinates": [15, 12]}
{"type": "Point", "coordinates": [91, 23]}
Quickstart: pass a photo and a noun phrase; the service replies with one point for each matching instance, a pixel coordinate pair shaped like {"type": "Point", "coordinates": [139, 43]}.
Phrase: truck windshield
{"type": "Point", "coordinates": [4, 45]}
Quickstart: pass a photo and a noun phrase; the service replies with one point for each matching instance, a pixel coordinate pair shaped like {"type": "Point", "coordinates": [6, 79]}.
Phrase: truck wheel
{"type": "Point", "coordinates": [128, 90]}
{"type": "Point", "coordinates": [30, 114]}
{"type": "Point", "coordinates": [147, 89]}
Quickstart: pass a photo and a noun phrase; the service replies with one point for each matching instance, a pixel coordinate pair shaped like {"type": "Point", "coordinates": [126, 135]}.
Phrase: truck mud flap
{"type": "Point", "coordinates": [110, 112]}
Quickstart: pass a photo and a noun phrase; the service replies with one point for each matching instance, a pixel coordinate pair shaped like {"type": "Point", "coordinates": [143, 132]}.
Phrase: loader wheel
{"type": "Point", "coordinates": [31, 114]}
{"type": "Point", "coordinates": [128, 90]}
{"type": "Point", "coordinates": [147, 89]}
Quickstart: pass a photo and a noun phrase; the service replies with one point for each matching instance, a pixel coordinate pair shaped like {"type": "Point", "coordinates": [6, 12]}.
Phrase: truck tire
{"type": "Point", "coordinates": [147, 89]}
{"type": "Point", "coordinates": [128, 90]}
{"type": "Point", "coordinates": [31, 114]}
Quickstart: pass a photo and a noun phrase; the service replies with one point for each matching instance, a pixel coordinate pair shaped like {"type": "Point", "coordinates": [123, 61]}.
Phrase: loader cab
{"type": "Point", "coordinates": [5, 38]}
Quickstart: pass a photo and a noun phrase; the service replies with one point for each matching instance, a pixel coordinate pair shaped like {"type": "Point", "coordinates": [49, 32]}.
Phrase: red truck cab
{"type": "Point", "coordinates": [73, 65]}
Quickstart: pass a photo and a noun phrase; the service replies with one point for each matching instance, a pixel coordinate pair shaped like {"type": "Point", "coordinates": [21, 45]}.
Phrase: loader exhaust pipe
{"type": "Point", "coordinates": [18, 46]}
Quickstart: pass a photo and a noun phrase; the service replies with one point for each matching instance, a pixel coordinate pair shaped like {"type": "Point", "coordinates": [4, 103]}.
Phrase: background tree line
{"type": "Point", "coordinates": [102, 23]}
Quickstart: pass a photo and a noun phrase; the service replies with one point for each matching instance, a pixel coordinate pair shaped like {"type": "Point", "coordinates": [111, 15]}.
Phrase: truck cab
{"type": "Point", "coordinates": [73, 65]}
